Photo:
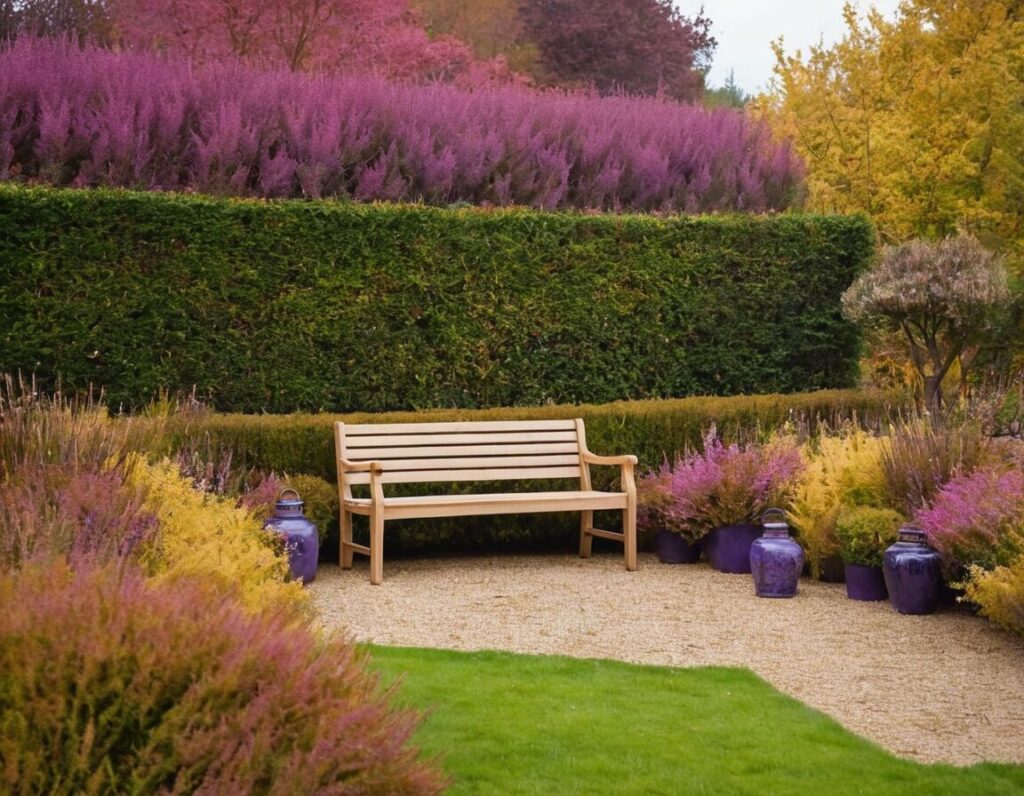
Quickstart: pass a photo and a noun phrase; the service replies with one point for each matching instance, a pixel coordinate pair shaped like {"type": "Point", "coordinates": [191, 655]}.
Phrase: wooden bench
{"type": "Point", "coordinates": [421, 453]}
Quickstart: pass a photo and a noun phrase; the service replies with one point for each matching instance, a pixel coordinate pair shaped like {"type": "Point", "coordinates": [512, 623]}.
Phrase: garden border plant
{"type": "Point", "coordinates": [652, 430]}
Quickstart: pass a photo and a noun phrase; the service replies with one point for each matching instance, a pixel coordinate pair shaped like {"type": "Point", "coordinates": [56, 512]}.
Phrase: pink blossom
{"type": "Point", "coordinates": [977, 518]}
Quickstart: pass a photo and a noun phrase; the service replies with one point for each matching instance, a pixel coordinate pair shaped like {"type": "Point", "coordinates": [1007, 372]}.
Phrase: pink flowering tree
{"type": "Point", "coordinates": [380, 37]}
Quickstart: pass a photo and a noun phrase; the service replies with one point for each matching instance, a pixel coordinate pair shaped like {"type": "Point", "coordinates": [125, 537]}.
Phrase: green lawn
{"type": "Point", "coordinates": [516, 724]}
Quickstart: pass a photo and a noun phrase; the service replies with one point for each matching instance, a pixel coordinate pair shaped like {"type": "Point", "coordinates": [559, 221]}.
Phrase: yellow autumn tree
{"type": "Point", "coordinates": [917, 119]}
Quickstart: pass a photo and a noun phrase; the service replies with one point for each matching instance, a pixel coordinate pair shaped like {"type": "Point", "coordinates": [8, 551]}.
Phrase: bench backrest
{"type": "Point", "coordinates": [469, 451]}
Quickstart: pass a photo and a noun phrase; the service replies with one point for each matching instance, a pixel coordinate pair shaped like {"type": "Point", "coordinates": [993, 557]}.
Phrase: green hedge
{"type": "Point", "coordinates": [652, 430]}
{"type": "Point", "coordinates": [309, 306]}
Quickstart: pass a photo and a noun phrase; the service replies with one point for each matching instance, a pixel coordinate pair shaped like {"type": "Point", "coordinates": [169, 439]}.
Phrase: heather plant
{"type": "Point", "coordinates": [262, 497]}
{"type": "Point", "coordinates": [82, 518]}
{"type": "Point", "coordinates": [74, 433]}
{"type": "Point", "coordinates": [112, 683]}
{"type": "Point", "coordinates": [977, 519]}
{"type": "Point", "coordinates": [728, 484]}
{"type": "Point", "coordinates": [864, 532]}
{"type": "Point", "coordinates": [999, 594]}
{"type": "Point", "coordinates": [654, 496]}
{"type": "Point", "coordinates": [920, 456]}
{"type": "Point", "coordinates": [211, 538]}
{"type": "Point", "coordinates": [841, 467]}
{"type": "Point", "coordinates": [62, 490]}
{"type": "Point", "coordinates": [89, 117]}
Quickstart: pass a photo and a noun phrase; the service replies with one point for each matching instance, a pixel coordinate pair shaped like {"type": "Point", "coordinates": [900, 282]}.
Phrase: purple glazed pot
{"type": "Point", "coordinates": [674, 549]}
{"type": "Point", "coordinates": [300, 536]}
{"type": "Point", "coordinates": [776, 561]}
{"type": "Point", "coordinates": [865, 583]}
{"type": "Point", "coordinates": [912, 573]}
{"type": "Point", "coordinates": [728, 548]}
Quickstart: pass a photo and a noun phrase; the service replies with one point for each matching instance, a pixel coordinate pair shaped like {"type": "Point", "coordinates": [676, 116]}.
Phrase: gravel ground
{"type": "Point", "coordinates": [947, 687]}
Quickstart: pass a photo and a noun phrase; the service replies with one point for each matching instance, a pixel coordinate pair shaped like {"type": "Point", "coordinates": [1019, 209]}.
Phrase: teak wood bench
{"type": "Point", "coordinates": [420, 453]}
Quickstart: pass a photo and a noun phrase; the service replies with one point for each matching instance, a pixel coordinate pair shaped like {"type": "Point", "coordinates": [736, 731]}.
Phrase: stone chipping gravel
{"type": "Point", "coordinates": [942, 688]}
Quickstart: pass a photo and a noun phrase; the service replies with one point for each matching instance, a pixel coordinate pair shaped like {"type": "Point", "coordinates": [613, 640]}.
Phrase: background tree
{"type": "Point", "coordinates": [84, 19]}
{"type": "Point", "coordinates": [492, 28]}
{"type": "Point", "coordinates": [917, 120]}
{"type": "Point", "coordinates": [381, 37]}
{"type": "Point", "coordinates": [729, 95]}
{"type": "Point", "coordinates": [941, 297]}
{"type": "Point", "coordinates": [637, 46]}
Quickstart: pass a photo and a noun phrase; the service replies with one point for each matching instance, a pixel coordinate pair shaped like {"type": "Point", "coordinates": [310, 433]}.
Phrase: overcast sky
{"type": "Point", "coordinates": [746, 28]}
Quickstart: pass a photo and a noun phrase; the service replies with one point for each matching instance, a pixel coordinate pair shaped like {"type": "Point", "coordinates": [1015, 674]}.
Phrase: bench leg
{"type": "Point", "coordinates": [346, 551]}
{"type": "Point", "coordinates": [586, 540]}
{"type": "Point", "coordinates": [629, 533]}
{"type": "Point", "coordinates": [376, 548]}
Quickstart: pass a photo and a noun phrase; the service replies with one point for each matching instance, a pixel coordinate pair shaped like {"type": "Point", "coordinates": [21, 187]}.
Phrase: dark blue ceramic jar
{"type": "Point", "coordinates": [913, 573]}
{"type": "Point", "coordinates": [300, 535]}
{"type": "Point", "coordinates": [776, 561]}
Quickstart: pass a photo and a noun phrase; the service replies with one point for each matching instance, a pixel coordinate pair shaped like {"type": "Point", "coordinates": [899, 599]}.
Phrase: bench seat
{"type": "Point", "coordinates": [497, 503]}
{"type": "Point", "coordinates": [375, 455]}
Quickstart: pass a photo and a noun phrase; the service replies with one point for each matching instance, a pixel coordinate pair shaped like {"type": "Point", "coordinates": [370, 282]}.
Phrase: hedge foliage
{"type": "Point", "coordinates": [652, 430]}
{"type": "Point", "coordinates": [291, 305]}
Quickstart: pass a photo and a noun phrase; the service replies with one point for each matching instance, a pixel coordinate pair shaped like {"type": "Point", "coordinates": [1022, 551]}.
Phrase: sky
{"type": "Point", "coordinates": [745, 30]}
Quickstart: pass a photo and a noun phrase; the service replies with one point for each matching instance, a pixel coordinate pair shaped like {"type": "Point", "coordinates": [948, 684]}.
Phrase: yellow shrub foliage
{"type": "Point", "coordinates": [208, 537]}
{"type": "Point", "coordinates": [841, 468]}
{"type": "Point", "coordinates": [1000, 594]}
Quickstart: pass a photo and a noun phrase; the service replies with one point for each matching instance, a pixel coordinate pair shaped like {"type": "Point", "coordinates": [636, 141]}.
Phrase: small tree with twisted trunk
{"type": "Point", "coordinates": [941, 295]}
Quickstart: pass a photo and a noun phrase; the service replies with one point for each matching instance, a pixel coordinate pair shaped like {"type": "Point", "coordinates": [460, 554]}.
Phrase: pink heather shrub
{"type": "Point", "coordinates": [722, 485]}
{"type": "Point", "coordinates": [82, 518]}
{"type": "Point", "coordinates": [977, 519]}
{"type": "Point", "coordinates": [263, 495]}
{"type": "Point", "coordinates": [113, 684]}
{"type": "Point", "coordinates": [89, 117]}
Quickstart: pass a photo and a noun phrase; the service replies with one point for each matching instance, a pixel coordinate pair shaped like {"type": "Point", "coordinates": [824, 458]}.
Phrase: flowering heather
{"type": "Point", "coordinates": [82, 518]}
{"type": "Point", "coordinates": [726, 484]}
{"type": "Point", "coordinates": [977, 519]}
{"type": "Point", "coordinates": [89, 117]}
{"type": "Point", "coordinates": [113, 683]}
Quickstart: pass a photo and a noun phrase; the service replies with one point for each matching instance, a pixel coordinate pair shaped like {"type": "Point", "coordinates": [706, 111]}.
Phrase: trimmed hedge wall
{"type": "Point", "coordinates": [652, 430]}
{"type": "Point", "coordinates": [286, 306]}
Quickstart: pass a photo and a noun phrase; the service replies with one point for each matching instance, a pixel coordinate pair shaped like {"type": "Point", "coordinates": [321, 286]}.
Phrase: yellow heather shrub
{"type": "Point", "coordinates": [1000, 594]}
{"type": "Point", "coordinates": [209, 537]}
{"type": "Point", "coordinates": [841, 468]}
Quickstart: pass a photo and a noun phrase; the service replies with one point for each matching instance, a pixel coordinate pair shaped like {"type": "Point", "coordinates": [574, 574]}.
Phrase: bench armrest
{"type": "Point", "coordinates": [593, 458]}
{"type": "Point", "coordinates": [361, 467]}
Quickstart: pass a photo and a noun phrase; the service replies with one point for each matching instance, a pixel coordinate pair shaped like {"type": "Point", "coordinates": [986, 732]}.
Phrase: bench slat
{"type": "Point", "coordinates": [439, 451]}
{"type": "Point", "coordinates": [407, 440]}
{"type": "Point", "coordinates": [521, 503]}
{"type": "Point", "coordinates": [478, 474]}
{"type": "Point", "coordinates": [481, 462]}
{"type": "Point", "coordinates": [397, 429]}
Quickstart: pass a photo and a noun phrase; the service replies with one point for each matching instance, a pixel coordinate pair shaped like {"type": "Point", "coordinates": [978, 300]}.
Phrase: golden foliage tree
{"type": "Point", "coordinates": [917, 120]}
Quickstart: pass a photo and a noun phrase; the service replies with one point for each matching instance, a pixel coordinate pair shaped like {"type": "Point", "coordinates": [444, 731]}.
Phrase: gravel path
{"type": "Point", "coordinates": [947, 687]}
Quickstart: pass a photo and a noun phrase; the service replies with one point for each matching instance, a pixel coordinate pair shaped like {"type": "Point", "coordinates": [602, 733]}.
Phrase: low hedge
{"type": "Point", "coordinates": [652, 430]}
{"type": "Point", "coordinates": [308, 306]}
